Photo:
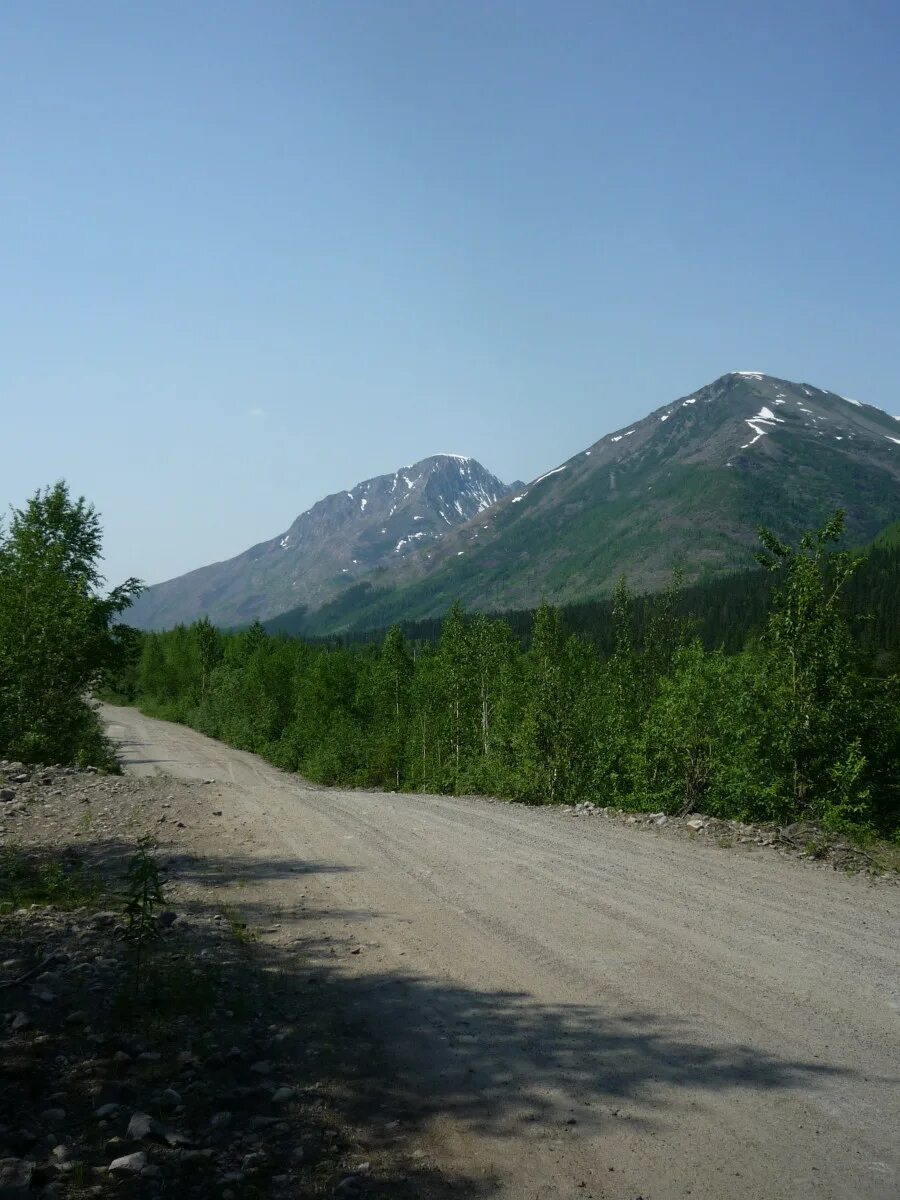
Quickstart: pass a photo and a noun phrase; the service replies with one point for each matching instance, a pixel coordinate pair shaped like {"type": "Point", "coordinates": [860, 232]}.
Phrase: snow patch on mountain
{"type": "Point", "coordinates": [547, 474]}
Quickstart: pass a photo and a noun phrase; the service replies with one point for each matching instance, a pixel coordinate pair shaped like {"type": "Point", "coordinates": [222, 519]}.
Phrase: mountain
{"type": "Point", "coordinates": [340, 539]}
{"type": "Point", "coordinates": [685, 487]}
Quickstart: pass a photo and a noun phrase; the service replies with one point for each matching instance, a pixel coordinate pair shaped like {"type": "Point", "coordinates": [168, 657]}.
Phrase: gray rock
{"type": "Point", "coordinates": [349, 1185]}
{"type": "Point", "coordinates": [103, 920]}
{"type": "Point", "coordinates": [259, 1121]}
{"type": "Point", "coordinates": [141, 1126]}
{"type": "Point", "coordinates": [696, 823]}
{"type": "Point", "coordinates": [20, 1021]}
{"type": "Point", "coordinates": [15, 1178]}
{"type": "Point", "coordinates": [7, 794]}
{"type": "Point", "coordinates": [220, 1120]}
{"type": "Point", "coordinates": [262, 1068]}
{"type": "Point", "coordinates": [283, 1094]}
{"type": "Point", "coordinates": [129, 1164]}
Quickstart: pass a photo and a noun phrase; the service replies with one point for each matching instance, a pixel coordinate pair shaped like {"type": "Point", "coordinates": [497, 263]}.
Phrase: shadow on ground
{"type": "Point", "coordinates": [402, 1048]}
{"type": "Point", "coordinates": [501, 1061]}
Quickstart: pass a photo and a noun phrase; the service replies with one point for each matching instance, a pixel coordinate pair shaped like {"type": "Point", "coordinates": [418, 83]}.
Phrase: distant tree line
{"type": "Point", "coordinates": [724, 612]}
{"type": "Point", "coordinates": [796, 721]}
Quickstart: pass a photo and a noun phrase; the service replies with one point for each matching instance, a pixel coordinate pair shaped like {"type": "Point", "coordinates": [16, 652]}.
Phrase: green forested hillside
{"type": "Point", "coordinates": [889, 539]}
{"type": "Point", "coordinates": [794, 723]}
{"type": "Point", "coordinates": [723, 613]}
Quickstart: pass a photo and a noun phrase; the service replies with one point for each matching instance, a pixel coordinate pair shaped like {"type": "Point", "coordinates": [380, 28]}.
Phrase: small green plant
{"type": "Point", "coordinates": [12, 878]}
{"type": "Point", "coordinates": [80, 1174]}
{"type": "Point", "coordinates": [27, 878]}
{"type": "Point", "coordinates": [241, 931]}
{"type": "Point", "coordinates": [145, 880]}
{"type": "Point", "coordinates": [170, 987]}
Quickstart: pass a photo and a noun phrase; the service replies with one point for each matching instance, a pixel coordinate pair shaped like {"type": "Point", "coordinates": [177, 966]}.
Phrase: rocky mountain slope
{"type": "Point", "coordinates": [340, 539]}
{"type": "Point", "coordinates": [686, 487]}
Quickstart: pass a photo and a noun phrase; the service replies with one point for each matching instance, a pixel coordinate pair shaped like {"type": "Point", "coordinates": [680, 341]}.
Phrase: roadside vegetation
{"type": "Point", "coordinates": [796, 724]}
{"type": "Point", "coordinates": [57, 633]}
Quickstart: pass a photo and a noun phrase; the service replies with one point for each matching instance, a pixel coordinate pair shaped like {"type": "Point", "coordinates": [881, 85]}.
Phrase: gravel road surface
{"type": "Point", "coordinates": [579, 1008]}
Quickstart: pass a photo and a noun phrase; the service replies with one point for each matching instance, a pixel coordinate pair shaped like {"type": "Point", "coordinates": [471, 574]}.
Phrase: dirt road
{"type": "Point", "coordinates": [577, 1008]}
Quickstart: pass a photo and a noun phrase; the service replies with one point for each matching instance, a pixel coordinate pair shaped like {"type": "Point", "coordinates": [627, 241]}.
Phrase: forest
{"type": "Point", "coordinates": [801, 720]}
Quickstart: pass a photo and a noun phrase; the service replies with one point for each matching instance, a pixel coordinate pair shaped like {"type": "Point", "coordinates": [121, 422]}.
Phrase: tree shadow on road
{"type": "Point", "coordinates": [499, 1061]}
{"type": "Point", "coordinates": [400, 1049]}
{"type": "Point", "coordinates": [494, 1060]}
{"type": "Point", "coordinates": [502, 1062]}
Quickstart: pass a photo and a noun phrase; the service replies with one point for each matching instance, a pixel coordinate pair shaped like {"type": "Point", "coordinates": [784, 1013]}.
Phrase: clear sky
{"type": "Point", "coordinates": [252, 253]}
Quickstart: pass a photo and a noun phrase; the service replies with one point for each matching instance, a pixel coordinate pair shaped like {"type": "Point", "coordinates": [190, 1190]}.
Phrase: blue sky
{"type": "Point", "coordinates": [255, 252]}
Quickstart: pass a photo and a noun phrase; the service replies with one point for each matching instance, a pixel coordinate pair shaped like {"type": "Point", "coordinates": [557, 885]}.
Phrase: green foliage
{"type": "Point", "coordinates": [794, 723]}
{"type": "Point", "coordinates": [814, 679]}
{"type": "Point", "coordinates": [144, 880]}
{"type": "Point", "coordinates": [58, 879]}
{"type": "Point", "coordinates": [173, 987]}
{"type": "Point", "coordinates": [56, 636]}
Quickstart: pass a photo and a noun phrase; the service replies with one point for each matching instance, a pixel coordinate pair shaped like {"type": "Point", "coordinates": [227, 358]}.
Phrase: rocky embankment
{"type": "Point", "coordinates": [803, 840]}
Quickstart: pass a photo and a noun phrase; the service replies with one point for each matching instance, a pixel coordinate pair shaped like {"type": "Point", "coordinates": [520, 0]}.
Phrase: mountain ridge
{"type": "Point", "coordinates": [338, 539]}
{"type": "Point", "coordinates": [685, 486]}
